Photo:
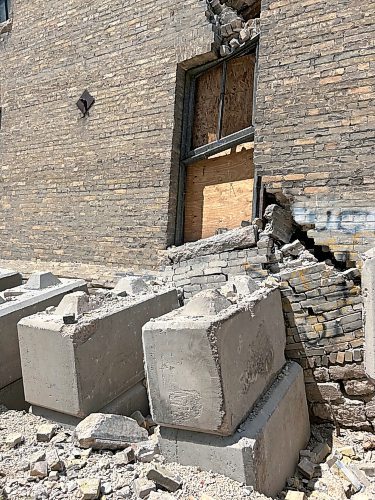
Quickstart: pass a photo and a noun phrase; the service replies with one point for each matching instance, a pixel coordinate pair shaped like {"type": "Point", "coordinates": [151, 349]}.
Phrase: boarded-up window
{"type": "Point", "coordinates": [206, 107]}
{"type": "Point", "coordinates": [223, 100]}
{"type": "Point", "coordinates": [238, 97]}
{"type": "Point", "coordinates": [219, 193]}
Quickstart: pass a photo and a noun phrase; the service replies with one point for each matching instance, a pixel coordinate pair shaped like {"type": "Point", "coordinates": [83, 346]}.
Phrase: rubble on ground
{"type": "Point", "coordinates": [29, 469]}
{"type": "Point", "coordinates": [59, 469]}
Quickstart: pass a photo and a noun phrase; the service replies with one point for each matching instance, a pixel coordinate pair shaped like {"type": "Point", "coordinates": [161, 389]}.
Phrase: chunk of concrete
{"type": "Point", "coordinates": [25, 303]}
{"type": "Point", "coordinates": [89, 488]}
{"type": "Point", "coordinates": [42, 280]}
{"type": "Point", "coordinates": [9, 279]}
{"type": "Point", "coordinates": [164, 478]}
{"type": "Point", "coordinates": [45, 432]}
{"type": "Point", "coordinates": [39, 469]}
{"type": "Point", "coordinates": [239, 285]}
{"type": "Point", "coordinates": [75, 303]}
{"type": "Point", "coordinates": [143, 487]}
{"type": "Point", "coordinates": [265, 450]}
{"type": "Point", "coordinates": [244, 237]}
{"type": "Point", "coordinates": [84, 367]}
{"type": "Point", "coordinates": [368, 292]}
{"type": "Point", "coordinates": [206, 303]}
{"type": "Point", "coordinates": [205, 373]}
{"type": "Point", "coordinates": [131, 285]}
{"type": "Point", "coordinates": [101, 431]}
{"type": "Point", "coordinates": [280, 223]}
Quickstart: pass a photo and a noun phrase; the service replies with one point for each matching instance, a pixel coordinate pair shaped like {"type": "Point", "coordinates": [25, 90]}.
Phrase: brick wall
{"type": "Point", "coordinates": [315, 119]}
{"type": "Point", "coordinates": [98, 190]}
{"type": "Point", "coordinates": [324, 326]}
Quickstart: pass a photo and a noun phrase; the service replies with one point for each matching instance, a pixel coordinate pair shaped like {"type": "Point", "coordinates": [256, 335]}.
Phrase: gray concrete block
{"type": "Point", "coordinates": [12, 396]}
{"type": "Point", "coordinates": [205, 370]}
{"type": "Point", "coordinates": [126, 404]}
{"type": "Point", "coordinates": [80, 368]}
{"type": "Point", "coordinates": [22, 303]}
{"type": "Point", "coordinates": [368, 292]}
{"type": "Point", "coordinates": [265, 451]}
{"type": "Point", "coordinates": [9, 279]}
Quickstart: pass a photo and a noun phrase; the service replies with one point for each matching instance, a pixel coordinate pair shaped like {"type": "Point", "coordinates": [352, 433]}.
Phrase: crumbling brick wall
{"type": "Point", "coordinates": [314, 131]}
{"type": "Point", "coordinates": [97, 190]}
{"type": "Point", "coordinates": [324, 325]}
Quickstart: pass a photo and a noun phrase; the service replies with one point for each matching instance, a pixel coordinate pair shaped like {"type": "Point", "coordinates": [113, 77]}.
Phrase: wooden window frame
{"type": "Point", "coordinates": [189, 155]}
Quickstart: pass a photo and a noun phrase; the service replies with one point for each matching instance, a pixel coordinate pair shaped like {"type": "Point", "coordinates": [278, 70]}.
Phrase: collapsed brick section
{"type": "Point", "coordinates": [323, 315]}
{"type": "Point", "coordinates": [231, 28]}
{"type": "Point", "coordinates": [322, 308]}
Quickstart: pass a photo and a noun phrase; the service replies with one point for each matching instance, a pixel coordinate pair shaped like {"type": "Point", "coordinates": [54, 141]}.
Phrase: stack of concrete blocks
{"type": "Point", "coordinates": [220, 389]}
{"type": "Point", "coordinates": [95, 363]}
{"type": "Point", "coordinates": [41, 291]}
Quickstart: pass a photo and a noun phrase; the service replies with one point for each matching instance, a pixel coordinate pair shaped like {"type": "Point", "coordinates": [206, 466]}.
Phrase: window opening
{"type": "Point", "coordinates": [217, 169]}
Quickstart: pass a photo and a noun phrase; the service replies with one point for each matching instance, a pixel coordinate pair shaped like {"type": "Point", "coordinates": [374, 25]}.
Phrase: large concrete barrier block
{"type": "Point", "coordinates": [208, 362]}
{"type": "Point", "coordinates": [79, 368]}
{"type": "Point", "coordinates": [21, 302]}
{"type": "Point", "coordinates": [9, 279]}
{"type": "Point", "coordinates": [368, 291]}
{"type": "Point", "coordinates": [266, 450]}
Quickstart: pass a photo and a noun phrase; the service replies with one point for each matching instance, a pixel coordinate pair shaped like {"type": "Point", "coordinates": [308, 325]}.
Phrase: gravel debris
{"type": "Point", "coordinates": [87, 468]}
{"type": "Point", "coordinates": [74, 473]}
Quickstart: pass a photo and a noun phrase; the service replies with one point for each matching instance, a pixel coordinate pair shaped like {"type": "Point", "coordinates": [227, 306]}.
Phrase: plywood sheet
{"type": "Point", "coordinates": [219, 193]}
{"type": "Point", "coordinates": [238, 99]}
{"type": "Point", "coordinates": [206, 107]}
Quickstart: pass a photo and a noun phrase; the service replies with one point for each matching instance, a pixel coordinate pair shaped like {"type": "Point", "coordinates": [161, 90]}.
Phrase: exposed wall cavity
{"type": "Point", "coordinates": [232, 24]}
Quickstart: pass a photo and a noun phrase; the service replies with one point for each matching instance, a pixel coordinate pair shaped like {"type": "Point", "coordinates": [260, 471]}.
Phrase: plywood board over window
{"type": "Point", "coordinates": [206, 107]}
{"type": "Point", "coordinates": [238, 97]}
{"type": "Point", "coordinates": [219, 193]}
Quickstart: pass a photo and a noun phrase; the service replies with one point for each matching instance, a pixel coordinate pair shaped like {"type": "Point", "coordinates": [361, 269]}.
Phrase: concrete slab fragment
{"type": "Point", "coordinates": [80, 368]}
{"type": "Point", "coordinates": [368, 292]}
{"type": "Point", "coordinates": [206, 372]}
{"type": "Point", "coordinates": [9, 279]}
{"type": "Point", "coordinates": [25, 302]}
{"type": "Point", "coordinates": [244, 237]}
{"type": "Point", "coordinates": [266, 450]}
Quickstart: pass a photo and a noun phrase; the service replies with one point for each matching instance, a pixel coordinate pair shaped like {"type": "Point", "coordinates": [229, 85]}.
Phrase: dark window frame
{"type": "Point", "coordinates": [188, 155]}
{"type": "Point", "coordinates": [7, 10]}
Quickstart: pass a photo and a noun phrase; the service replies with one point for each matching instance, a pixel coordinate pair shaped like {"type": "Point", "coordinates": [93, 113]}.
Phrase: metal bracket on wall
{"type": "Point", "coordinates": [85, 102]}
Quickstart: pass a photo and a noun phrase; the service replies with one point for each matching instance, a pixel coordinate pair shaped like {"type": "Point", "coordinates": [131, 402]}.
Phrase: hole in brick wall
{"type": "Point", "coordinates": [321, 252]}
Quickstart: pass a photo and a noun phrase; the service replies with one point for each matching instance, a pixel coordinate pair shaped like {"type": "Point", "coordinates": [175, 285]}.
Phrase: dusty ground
{"type": "Point", "coordinates": [117, 480]}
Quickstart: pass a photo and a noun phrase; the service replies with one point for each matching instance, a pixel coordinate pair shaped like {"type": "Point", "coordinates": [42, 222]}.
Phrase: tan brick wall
{"type": "Point", "coordinates": [93, 190]}
{"type": "Point", "coordinates": [315, 117]}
